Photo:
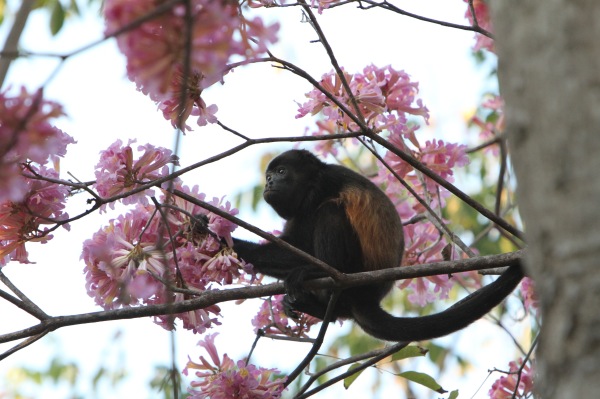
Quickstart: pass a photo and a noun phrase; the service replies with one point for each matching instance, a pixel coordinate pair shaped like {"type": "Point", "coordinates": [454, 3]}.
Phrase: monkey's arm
{"type": "Point", "coordinates": [275, 261]}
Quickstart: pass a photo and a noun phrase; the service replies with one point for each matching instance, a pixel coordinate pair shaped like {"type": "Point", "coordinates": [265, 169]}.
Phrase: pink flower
{"type": "Point", "coordinates": [443, 157]}
{"type": "Point", "coordinates": [323, 4]}
{"type": "Point", "coordinates": [530, 297]}
{"type": "Point", "coordinates": [424, 245]}
{"type": "Point", "coordinates": [120, 254]}
{"type": "Point", "coordinates": [484, 21]}
{"type": "Point", "coordinates": [224, 267]}
{"type": "Point", "coordinates": [437, 155]}
{"type": "Point", "coordinates": [222, 227]}
{"type": "Point", "coordinates": [129, 262]}
{"type": "Point", "coordinates": [197, 320]}
{"type": "Point", "coordinates": [492, 123]}
{"type": "Point", "coordinates": [222, 378]}
{"type": "Point", "coordinates": [384, 96]}
{"type": "Point", "coordinates": [117, 172]}
{"type": "Point", "coordinates": [506, 386]}
{"type": "Point", "coordinates": [22, 221]}
{"type": "Point", "coordinates": [271, 318]}
{"type": "Point", "coordinates": [155, 49]}
{"type": "Point", "coordinates": [178, 112]}
{"type": "Point", "coordinates": [26, 134]}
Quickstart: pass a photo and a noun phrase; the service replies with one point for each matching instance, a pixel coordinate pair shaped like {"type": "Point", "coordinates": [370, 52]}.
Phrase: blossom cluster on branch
{"type": "Point", "coordinates": [30, 147]}
{"type": "Point", "coordinates": [117, 172]}
{"type": "Point", "coordinates": [143, 256]}
{"type": "Point", "coordinates": [482, 17]}
{"type": "Point", "coordinates": [226, 379]}
{"type": "Point", "coordinates": [210, 32]}
{"type": "Point", "coordinates": [384, 97]}
{"type": "Point", "coordinates": [271, 319]}
{"type": "Point", "coordinates": [30, 219]}
{"type": "Point", "coordinates": [27, 134]}
{"type": "Point", "coordinates": [517, 383]}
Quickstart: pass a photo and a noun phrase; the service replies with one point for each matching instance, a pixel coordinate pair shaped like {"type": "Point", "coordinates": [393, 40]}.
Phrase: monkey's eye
{"type": "Point", "coordinates": [280, 170]}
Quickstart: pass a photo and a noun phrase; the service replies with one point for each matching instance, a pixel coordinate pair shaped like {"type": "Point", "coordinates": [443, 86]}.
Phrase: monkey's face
{"type": "Point", "coordinates": [281, 190]}
{"type": "Point", "coordinates": [287, 184]}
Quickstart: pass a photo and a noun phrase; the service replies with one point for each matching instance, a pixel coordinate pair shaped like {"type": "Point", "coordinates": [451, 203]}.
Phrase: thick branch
{"type": "Point", "coordinates": [213, 297]}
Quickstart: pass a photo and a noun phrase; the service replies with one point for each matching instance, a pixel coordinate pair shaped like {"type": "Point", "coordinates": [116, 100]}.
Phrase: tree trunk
{"type": "Point", "coordinates": [549, 72]}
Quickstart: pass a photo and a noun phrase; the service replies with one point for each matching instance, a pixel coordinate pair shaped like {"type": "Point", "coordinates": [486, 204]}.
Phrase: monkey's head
{"type": "Point", "coordinates": [291, 178]}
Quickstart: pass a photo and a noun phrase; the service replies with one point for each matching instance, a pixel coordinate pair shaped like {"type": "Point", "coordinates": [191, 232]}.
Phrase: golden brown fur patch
{"type": "Point", "coordinates": [377, 224]}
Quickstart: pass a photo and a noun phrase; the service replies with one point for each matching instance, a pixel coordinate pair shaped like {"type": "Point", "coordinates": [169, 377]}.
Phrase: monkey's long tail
{"type": "Point", "coordinates": [380, 324]}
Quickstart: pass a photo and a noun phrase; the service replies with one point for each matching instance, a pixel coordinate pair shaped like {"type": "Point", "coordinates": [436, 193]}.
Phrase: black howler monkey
{"type": "Point", "coordinates": [343, 219]}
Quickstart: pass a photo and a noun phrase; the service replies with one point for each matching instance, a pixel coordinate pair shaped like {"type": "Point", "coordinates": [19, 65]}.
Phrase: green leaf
{"type": "Point", "coordinates": [409, 351]}
{"type": "Point", "coordinates": [349, 380]}
{"type": "Point", "coordinates": [423, 379]}
{"type": "Point", "coordinates": [74, 8]}
{"type": "Point", "coordinates": [57, 18]}
{"type": "Point", "coordinates": [453, 394]}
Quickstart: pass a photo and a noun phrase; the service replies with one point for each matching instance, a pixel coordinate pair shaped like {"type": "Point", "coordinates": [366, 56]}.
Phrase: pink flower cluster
{"type": "Point", "coordinates": [384, 96]}
{"type": "Point", "coordinates": [22, 221]}
{"type": "Point", "coordinates": [117, 172]}
{"type": "Point", "coordinates": [155, 49]}
{"type": "Point", "coordinates": [271, 318]}
{"type": "Point", "coordinates": [529, 295]}
{"type": "Point", "coordinates": [424, 243]}
{"type": "Point", "coordinates": [482, 14]}
{"type": "Point", "coordinates": [492, 123]}
{"type": "Point", "coordinates": [226, 379]}
{"type": "Point", "coordinates": [133, 259]}
{"type": "Point", "coordinates": [506, 387]}
{"type": "Point", "coordinates": [27, 135]}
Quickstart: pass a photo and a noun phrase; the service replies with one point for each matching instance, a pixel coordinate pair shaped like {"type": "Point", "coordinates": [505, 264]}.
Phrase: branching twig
{"type": "Point", "coordinates": [342, 362]}
{"type": "Point", "coordinates": [385, 353]}
{"type": "Point", "coordinates": [26, 304]}
{"type": "Point", "coordinates": [388, 6]}
{"type": "Point", "coordinates": [332, 59]}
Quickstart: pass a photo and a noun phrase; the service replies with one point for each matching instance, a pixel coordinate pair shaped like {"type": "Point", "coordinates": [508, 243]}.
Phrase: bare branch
{"type": "Point", "coordinates": [318, 342]}
{"type": "Point", "coordinates": [26, 304]}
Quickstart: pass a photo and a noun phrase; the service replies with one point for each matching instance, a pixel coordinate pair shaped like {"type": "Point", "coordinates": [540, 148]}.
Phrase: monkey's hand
{"type": "Point", "coordinates": [294, 282]}
{"type": "Point", "coordinates": [289, 309]}
{"type": "Point", "coordinates": [200, 224]}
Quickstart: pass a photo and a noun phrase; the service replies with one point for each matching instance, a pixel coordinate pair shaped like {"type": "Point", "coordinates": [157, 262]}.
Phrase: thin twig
{"type": "Point", "coordinates": [501, 174]}
{"type": "Point", "coordinates": [319, 340]}
{"type": "Point", "coordinates": [385, 353]}
{"type": "Point", "coordinates": [27, 304]}
{"type": "Point", "coordinates": [338, 70]}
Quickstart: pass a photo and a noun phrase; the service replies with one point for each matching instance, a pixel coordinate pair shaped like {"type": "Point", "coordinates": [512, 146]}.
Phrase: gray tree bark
{"type": "Point", "coordinates": [549, 70]}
